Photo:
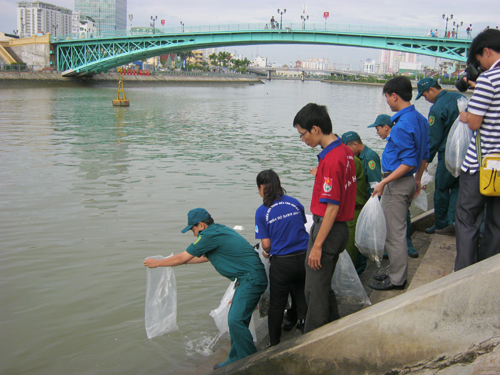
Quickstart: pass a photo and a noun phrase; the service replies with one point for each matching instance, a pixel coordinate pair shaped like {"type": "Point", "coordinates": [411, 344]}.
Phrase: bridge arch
{"type": "Point", "coordinates": [99, 54]}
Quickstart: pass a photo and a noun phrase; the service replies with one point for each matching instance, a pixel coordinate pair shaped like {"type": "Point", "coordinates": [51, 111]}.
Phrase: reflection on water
{"type": "Point", "coordinates": [88, 191]}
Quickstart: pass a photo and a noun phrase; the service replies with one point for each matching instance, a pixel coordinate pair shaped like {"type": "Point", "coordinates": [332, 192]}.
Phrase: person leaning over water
{"type": "Point", "coordinates": [233, 257]}
{"type": "Point", "coordinates": [279, 224]}
{"type": "Point", "coordinates": [332, 205]}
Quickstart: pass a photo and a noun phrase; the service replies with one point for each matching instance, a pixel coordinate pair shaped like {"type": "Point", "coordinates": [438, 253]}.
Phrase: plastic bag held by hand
{"type": "Point", "coordinates": [421, 201]}
{"type": "Point", "coordinates": [221, 313]}
{"type": "Point", "coordinates": [371, 230]}
{"type": "Point", "coordinates": [161, 301]}
{"type": "Point", "coordinates": [458, 142]}
{"type": "Point", "coordinates": [346, 283]}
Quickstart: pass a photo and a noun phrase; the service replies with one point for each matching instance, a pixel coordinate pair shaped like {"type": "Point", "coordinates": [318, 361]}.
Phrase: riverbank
{"type": "Point", "coordinates": [55, 78]}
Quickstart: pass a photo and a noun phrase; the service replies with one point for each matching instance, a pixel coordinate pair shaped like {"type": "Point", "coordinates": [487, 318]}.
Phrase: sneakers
{"type": "Point", "coordinates": [449, 230]}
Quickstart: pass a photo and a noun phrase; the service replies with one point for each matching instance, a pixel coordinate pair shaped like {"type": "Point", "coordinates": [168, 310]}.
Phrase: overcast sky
{"type": "Point", "coordinates": [419, 14]}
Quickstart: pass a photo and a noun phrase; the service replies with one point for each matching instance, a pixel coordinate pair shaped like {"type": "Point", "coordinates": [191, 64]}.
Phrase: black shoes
{"type": "Point", "coordinates": [216, 366]}
{"type": "Point", "coordinates": [381, 277]}
{"type": "Point", "coordinates": [431, 230]}
{"type": "Point", "coordinates": [386, 285]}
{"type": "Point", "coordinates": [288, 326]}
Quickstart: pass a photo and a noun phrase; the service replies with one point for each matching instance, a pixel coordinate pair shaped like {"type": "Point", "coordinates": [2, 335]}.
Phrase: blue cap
{"type": "Point", "coordinates": [382, 120]}
{"type": "Point", "coordinates": [425, 84]}
{"type": "Point", "coordinates": [195, 216]}
{"type": "Point", "coordinates": [349, 137]}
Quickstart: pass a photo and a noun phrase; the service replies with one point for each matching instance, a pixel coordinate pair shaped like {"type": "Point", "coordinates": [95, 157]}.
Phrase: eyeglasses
{"type": "Point", "coordinates": [302, 134]}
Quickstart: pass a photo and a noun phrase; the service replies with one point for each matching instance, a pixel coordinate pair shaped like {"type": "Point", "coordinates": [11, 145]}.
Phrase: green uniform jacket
{"type": "Point", "coordinates": [442, 115]}
{"type": "Point", "coordinates": [361, 189]}
{"type": "Point", "coordinates": [230, 254]}
{"type": "Point", "coordinates": [371, 166]}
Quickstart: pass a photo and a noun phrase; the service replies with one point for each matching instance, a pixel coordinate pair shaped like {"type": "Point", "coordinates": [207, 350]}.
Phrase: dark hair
{"type": "Point", "coordinates": [358, 141]}
{"type": "Point", "coordinates": [313, 114]}
{"type": "Point", "coordinates": [437, 86]}
{"type": "Point", "coordinates": [208, 221]}
{"type": "Point", "coordinates": [489, 38]}
{"type": "Point", "coordinates": [400, 86]}
{"type": "Point", "coordinates": [272, 186]}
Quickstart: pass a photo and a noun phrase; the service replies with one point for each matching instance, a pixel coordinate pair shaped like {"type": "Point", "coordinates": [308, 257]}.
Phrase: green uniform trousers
{"type": "Point", "coordinates": [245, 299]}
{"type": "Point", "coordinates": [445, 195]}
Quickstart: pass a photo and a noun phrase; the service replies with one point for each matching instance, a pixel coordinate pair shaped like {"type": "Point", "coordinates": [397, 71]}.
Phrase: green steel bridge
{"type": "Point", "coordinates": [96, 54]}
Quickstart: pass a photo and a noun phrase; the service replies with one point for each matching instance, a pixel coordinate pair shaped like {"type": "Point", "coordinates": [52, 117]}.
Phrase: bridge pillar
{"type": "Point", "coordinates": [268, 75]}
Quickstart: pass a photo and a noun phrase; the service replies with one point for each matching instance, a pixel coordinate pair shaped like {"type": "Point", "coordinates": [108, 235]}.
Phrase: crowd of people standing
{"type": "Point", "coordinates": [348, 173]}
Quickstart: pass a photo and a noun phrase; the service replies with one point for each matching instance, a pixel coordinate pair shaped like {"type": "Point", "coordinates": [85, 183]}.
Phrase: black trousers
{"type": "Point", "coordinates": [287, 274]}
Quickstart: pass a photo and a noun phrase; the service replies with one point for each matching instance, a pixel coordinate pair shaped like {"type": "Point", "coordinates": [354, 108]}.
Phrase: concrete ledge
{"type": "Point", "coordinates": [434, 322]}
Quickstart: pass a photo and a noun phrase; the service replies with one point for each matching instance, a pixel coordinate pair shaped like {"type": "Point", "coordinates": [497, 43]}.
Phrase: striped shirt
{"type": "Point", "coordinates": [485, 102]}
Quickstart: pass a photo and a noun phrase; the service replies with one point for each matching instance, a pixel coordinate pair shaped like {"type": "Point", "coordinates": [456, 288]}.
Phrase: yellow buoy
{"type": "Point", "coordinates": [121, 102]}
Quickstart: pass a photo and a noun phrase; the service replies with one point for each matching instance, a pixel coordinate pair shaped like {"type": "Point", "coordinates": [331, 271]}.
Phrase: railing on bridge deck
{"type": "Point", "coordinates": [266, 27]}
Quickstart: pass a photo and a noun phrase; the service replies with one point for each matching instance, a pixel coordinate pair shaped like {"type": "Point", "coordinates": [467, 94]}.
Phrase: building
{"type": "Point", "coordinates": [38, 17]}
{"type": "Point", "coordinates": [110, 15]}
{"type": "Point", "coordinates": [316, 64]}
{"type": "Point", "coordinates": [390, 60]}
{"type": "Point", "coordinates": [82, 26]}
{"type": "Point", "coordinates": [370, 66]}
{"type": "Point", "coordinates": [260, 62]}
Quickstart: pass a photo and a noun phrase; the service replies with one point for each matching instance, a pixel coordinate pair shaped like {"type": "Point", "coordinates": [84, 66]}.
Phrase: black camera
{"type": "Point", "coordinates": [472, 73]}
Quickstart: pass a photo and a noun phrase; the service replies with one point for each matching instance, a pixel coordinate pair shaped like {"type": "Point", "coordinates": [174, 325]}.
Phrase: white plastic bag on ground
{"type": "Point", "coordinates": [161, 301]}
{"type": "Point", "coordinates": [346, 283]}
{"type": "Point", "coordinates": [371, 230]}
{"type": "Point", "coordinates": [221, 313]}
{"type": "Point", "coordinates": [458, 142]}
{"type": "Point", "coordinates": [421, 201]}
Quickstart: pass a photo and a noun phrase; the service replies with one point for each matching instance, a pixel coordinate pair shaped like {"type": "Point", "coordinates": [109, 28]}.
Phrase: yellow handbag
{"type": "Point", "coordinates": [489, 171]}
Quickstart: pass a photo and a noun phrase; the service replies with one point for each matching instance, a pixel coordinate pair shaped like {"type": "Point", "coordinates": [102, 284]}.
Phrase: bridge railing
{"type": "Point", "coordinates": [263, 27]}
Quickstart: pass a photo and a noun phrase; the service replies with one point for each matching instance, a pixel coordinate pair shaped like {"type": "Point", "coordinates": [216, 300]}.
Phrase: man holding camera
{"type": "Point", "coordinates": [442, 115]}
{"type": "Point", "coordinates": [484, 116]}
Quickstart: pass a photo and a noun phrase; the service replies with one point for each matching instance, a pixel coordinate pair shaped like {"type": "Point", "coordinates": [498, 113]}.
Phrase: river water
{"type": "Point", "coordinates": [88, 191]}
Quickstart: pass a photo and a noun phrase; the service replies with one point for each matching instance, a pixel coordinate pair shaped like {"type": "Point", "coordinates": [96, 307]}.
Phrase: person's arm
{"type": "Point", "coordinates": [436, 134]}
{"type": "Point", "coordinates": [418, 176]}
{"type": "Point", "coordinates": [474, 121]}
{"type": "Point", "coordinates": [314, 260]}
{"type": "Point", "coordinates": [196, 260]}
{"type": "Point", "coordinates": [172, 261]}
{"type": "Point", "coordinates": [399, 172]}
{"type": "Point", "coordinates": [266, 246]}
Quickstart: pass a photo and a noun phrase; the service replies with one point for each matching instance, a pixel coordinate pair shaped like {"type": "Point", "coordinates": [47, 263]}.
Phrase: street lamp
{"type": "Point", "coordinates": [182, 24]}
{"type": "Point", "coordinates": [457, 25]}
{"type": "Point", "coordinates": [55, 29]}
{"type": "Point", "coordinates": [130, 17]}
{"type": "Point", "coordinates": [281, 20]}
{"type": "Point", "coordinates": [447, 19]}
{"type": "Point", "coordinates": [154, 20]}
{"type": "Point", "coordinates": [304, 19]}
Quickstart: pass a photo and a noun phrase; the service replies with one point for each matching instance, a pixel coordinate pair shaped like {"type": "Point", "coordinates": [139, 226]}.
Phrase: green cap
{"type": "Point", "coordinates": [195, 216]}
{"type": "Point", "coordinates": [425, 84]}
{"type": "Point", "coordinates": [349, 137]}
{"type": "Point", "coordinates": [382, 120]}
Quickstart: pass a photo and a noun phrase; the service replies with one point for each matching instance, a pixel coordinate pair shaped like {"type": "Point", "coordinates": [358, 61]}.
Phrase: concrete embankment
{"type": "Point", "coordinates": [130, 81]}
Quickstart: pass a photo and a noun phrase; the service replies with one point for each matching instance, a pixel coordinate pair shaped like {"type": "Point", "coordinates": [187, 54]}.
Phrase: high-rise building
{"type": "Point", "coordinates": [39, 17]}
{"type": "Point", "coordinates": [82, 26]}
{"type": "Point", "coordinates": [109, 15]}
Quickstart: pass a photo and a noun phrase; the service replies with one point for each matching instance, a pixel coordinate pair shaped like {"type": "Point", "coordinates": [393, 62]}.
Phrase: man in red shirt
{"type": "Point", "coordinates": [332, 205]}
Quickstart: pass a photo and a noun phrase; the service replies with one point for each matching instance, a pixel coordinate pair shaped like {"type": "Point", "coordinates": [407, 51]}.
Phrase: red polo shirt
{"type": "Point", "coordinates": [335, 181]}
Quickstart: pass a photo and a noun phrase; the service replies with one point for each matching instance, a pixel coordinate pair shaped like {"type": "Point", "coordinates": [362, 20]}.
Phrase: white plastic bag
{"type": "Point", "coordinates": [264, 301]}
{"type": "Point", "coordinates": [221, 313]}
{"type": "Point", "coordinates": [421, 201]}
{"type": "Point", "coordinates": [161, 301]}
{"type": "Point", "coordinates": [426, 179]}
{"type": "Point", "coordinates": [346, 283]}
{"type": "Point", "coordinates": [371, 230]}
{"type": "Point", "coordinates": [458, 142]}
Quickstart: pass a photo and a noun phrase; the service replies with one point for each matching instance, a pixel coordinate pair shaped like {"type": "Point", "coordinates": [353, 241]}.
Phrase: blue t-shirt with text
{"type": "Point", "coordinates": [283, 223]}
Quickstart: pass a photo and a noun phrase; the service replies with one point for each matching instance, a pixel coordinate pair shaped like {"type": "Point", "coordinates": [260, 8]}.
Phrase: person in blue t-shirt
{"type": "Point", "coordinates": [279, 224]}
